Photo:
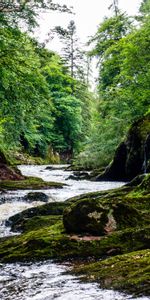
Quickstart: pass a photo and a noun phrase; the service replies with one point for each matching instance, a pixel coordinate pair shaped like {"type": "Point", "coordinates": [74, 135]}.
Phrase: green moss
{"type": "Point", "coordinates": [129, 272]}
{"type": "Point", "coordinates": [45, 238]}
{"type": "Point", "coordinates": [38, 222]}
{"type": "Point", "coordinates": [100, 216]}
{"type": "Point", "coordinates": [144, 187]}
{"type": "Point", "coordinates": [144, 127]}
{"type": "Point", "coordinates": [29, 183]}
{"type": "Point", "coordinates": [18, 222]}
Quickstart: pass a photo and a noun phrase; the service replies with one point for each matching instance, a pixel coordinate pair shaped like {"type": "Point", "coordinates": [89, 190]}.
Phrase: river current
{"type": "Point", "coordinates": [48, 280]}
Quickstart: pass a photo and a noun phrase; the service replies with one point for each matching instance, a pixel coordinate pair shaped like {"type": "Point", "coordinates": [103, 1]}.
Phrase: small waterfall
{"type": "Point", "coordinates": [144, 167]}
{"type": "Point", "coordinates": [145, 154]}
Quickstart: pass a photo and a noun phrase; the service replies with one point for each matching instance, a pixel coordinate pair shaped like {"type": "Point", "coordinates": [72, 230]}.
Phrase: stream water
{"type": "Point", "coordinates": [48, 280]}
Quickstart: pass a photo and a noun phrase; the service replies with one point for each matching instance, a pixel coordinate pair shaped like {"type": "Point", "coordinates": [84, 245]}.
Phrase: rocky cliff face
{"type": "Point", "coordinates": [132, 156]}
{"type": "Point", "coordinates": [8, 172]}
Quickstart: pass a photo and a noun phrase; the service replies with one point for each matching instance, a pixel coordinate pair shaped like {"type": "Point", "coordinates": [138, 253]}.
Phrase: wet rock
{"type": "Point", "coordinates": [2, 200]}
{"type": "Point", "coordinates": [79, 176]}
{"type": "Point", "coordinates": [50, 168]}
{"type": "Point", "coordinates": [55, 167]}
{"type": "Point", "coordinates": [36, 196]}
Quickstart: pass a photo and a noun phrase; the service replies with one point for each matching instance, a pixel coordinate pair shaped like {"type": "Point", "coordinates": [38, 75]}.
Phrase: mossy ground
{"type": "Point", "coordinates": [128, 272]}
{"type": "Point", "coordinates": [44, 237]}
{"type": "Point", "coordinates": [28, 183]}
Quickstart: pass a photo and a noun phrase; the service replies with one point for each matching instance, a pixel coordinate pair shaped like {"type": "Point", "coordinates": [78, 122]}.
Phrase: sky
{"type": "Point", "coordinates": [88, 14]}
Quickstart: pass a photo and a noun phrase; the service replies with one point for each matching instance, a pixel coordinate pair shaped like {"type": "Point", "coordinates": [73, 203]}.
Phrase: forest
{"type": "Point", "coordinates": [47, 107]}
{"type": "Point", "coordinates": [74, 160]}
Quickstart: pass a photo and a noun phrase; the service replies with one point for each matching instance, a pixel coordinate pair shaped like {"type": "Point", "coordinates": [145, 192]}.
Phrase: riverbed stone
{"type": "Point", "coordinates": [36, 196]}
{"type": "Point", "coordinates": [79, 176]}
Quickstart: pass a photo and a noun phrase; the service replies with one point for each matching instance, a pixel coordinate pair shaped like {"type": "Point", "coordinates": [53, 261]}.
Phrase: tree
{"type": "Point", "coordinates": [73, 56]}
{"type": "Point", "coordinates": [26, 11]}
{"type": "Point", "coordinates": [70, 114]}
{"type": "Point", "coordinates": [68, 124]}
{"type": "Point", "coordinates": [145, 7]}
{"type": "Point", "coordinates": [23, 88]}
{"type": "Point", "coordinates": [123, 83]}
{"type": "Point", "coordinates": [110, 31]}
{"type": "Point", "coordinates": [114, 7]}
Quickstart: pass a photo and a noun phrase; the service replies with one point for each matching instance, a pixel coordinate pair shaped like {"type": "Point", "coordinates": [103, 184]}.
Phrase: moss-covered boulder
{"type": "Point", "coordinates": [19, 220]}
{"type": "Point", "coordinates": [132, 156]}
{"type": "Point", "coordinates": [99, 218]}
{"type": "Point", "coordinates": [44, 237]}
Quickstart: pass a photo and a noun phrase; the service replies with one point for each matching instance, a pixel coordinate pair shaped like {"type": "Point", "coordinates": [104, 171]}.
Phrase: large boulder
{"type": "Point", "coordinates": [94, 217]}
{"type": "Point", "coordinates": [132, 156]}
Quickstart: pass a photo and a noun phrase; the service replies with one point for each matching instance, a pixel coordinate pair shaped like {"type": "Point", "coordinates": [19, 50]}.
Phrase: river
{"type": "Point", "coordinates": [48, 280]}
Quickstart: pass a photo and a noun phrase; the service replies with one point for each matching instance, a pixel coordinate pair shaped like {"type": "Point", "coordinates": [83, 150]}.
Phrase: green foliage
{"type": "Point", "coordinates": [145, 7]}
{"type": "Point", "coordinates": [23, 87]}
{"type": "Point", "coordinates": [39, 109]}
{"type": "Point", "coordinates": [68, 122]}
{"type": "Point", "coordinates": [110, 31]}
{"type": "Point", "coordinates": [123, 84]}
{"type": "Point", "coordinates": [13, 13]}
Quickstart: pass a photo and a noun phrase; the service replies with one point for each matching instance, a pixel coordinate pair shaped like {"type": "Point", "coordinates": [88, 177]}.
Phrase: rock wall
{"type": "Point", "coordinates": [132, 156]}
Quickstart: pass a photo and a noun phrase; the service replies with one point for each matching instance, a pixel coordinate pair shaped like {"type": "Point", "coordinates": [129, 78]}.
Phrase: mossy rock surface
{"type": "Point", "coordinates": [29, 183]}
{"type": "Point", "coordinates": [129, 272]}
{"type": "Point", "coordinates": [144, 186]}
{"type": "Point", "coordinates": [37, 222]}
{"type": "Point", "coordinates": [18, 221]}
